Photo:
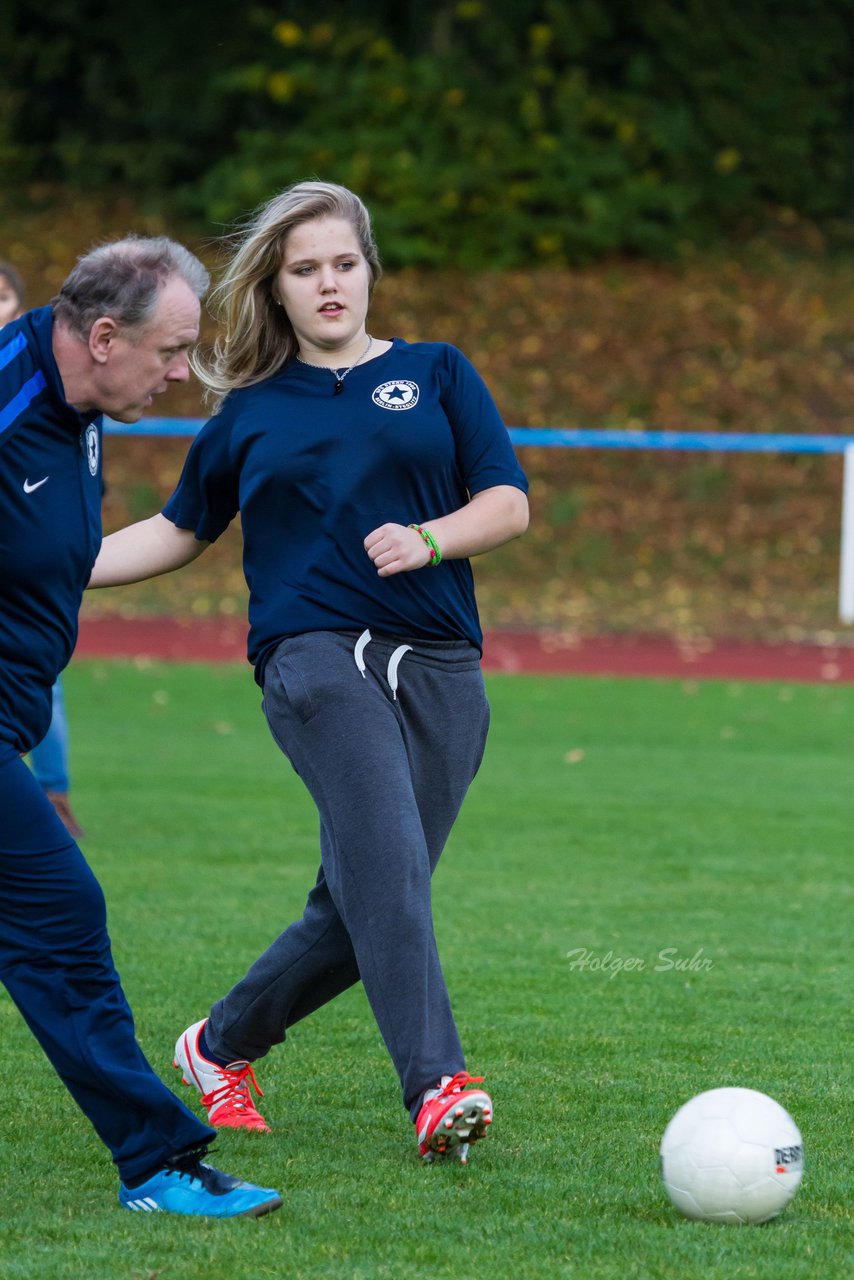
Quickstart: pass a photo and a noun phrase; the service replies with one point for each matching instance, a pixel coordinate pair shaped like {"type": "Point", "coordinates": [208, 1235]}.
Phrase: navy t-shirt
{"type": "Point", "coordinates": [412, 435]}
{"type": "Point", "coordinates": [50, 526]}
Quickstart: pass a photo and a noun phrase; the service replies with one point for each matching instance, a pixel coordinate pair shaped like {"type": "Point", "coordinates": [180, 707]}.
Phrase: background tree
{"type": "Point", "coordinates": [485, 134]}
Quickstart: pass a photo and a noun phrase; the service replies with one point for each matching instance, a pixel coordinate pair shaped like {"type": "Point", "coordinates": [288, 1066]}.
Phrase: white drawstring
{"type": "Point", "coordinates": [393, 662]}
{"type": "Point", "coordinates": [359, 651]}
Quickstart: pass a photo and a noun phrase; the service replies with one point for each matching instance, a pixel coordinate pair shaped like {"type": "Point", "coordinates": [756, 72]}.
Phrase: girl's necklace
{"type": "Point", "coordinates": [339, 374]}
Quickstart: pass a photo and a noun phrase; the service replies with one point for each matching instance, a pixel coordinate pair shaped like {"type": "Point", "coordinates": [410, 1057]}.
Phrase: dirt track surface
{"type": "Point", "coordinates": [545, 653]}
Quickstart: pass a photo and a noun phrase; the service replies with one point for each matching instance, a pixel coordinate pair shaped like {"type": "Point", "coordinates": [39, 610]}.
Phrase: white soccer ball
{"type": "Point", "coordinates": [731, 1155]}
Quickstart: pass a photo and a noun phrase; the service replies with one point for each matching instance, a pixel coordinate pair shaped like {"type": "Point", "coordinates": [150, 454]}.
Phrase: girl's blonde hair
{"type": "Point", "coordinates": [259, 338]}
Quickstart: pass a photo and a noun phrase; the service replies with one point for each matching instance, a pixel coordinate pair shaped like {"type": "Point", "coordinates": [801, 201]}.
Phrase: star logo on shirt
{"type": "Point", "coordinates": [92, 448]}
{"type": "Point", "coordinates": [398, 395]}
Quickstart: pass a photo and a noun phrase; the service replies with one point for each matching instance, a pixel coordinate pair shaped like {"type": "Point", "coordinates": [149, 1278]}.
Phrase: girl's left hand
{"type": "Point", "coordinates": [394, 548]}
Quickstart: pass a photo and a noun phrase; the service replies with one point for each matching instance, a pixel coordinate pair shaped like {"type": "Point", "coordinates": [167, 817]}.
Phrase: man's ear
{"type": "Point", "coordinates": [102, 335]}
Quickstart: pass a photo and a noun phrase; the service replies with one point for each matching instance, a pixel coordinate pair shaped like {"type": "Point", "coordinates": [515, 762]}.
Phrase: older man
{"type": "Point", "coordinates": [117, 335]}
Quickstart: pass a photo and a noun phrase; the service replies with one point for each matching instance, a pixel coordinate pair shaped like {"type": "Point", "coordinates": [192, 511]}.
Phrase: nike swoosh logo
{"type": "Point", "coordinates": [31, 488]}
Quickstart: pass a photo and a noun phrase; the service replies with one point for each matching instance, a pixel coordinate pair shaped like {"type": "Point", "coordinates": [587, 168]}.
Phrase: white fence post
{"type": "Point", "coordinates": [846, 557]}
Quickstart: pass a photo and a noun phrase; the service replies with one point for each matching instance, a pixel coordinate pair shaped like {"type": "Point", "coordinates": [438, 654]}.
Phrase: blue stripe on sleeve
{"type": "Point", "coordinates": [14, 348]}
{"type": "Point", "coordinates": [22, 400]}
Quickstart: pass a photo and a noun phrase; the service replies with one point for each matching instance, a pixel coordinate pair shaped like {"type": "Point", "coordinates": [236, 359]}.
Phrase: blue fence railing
{"type": "Point", "coordinates": [693, 441]}
{"type": "Point", "coordinates": [571, 438]}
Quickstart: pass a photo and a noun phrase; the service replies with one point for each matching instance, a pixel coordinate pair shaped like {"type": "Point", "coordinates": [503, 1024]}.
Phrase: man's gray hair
{"type": "Point", "coordinates": [123, 280]}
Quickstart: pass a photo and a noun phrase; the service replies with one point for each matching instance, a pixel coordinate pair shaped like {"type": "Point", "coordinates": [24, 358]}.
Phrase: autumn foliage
{"type": "Point", "coordinates": [690, 544]}
{"type": "Point", "coordinates": [484, 135]}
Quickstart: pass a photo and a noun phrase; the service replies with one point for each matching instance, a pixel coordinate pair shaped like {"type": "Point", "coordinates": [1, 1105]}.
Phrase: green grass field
{"type": "Point", "coordinates": [712, 822]}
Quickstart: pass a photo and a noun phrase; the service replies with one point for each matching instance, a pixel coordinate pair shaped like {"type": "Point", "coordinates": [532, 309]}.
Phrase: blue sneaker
{"type": "Point", "coordinates": [186, 1184]}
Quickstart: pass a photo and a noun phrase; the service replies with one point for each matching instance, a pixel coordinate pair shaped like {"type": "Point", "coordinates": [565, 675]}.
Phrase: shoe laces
{"type": "Point", "coordinates": [186, 1163]}
{"type": "Point", "coordinates": [234, 1088]}
{"type": "Point", "coordinates": [457, 1083]}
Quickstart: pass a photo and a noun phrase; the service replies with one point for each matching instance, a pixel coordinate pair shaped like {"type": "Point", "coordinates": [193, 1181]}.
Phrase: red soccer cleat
{"type": "Point", "coordinates": [225, 1090]}
{"type": "Point", "coordinates": [452, 1117]}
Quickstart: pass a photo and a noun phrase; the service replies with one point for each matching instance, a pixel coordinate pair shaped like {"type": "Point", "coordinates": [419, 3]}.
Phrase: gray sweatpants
{"type": "Point", "coordinates": [387, 736]}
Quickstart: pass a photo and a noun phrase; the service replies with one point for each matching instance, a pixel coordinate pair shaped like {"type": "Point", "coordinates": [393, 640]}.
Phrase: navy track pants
{"type": "Point", "coordinates": [387, 735]}
{"type": "Point", "coordinates": [56, 964]}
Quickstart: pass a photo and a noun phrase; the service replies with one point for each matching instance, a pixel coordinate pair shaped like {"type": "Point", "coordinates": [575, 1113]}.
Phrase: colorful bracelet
{"type": "Point", "coordinates": [431, 543]}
